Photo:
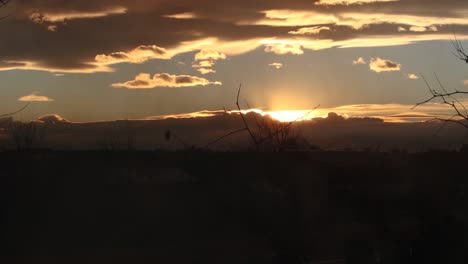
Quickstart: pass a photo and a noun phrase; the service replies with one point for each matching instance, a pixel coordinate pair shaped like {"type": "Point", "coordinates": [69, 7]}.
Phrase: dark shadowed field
{"type": "Point", "coordinates": [202, 207]}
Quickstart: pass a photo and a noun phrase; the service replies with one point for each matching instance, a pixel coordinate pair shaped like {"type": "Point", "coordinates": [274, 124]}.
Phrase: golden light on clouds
{"type": "Point", "coordinates": [146, 81]}
{"type": "Point", "coordinates": [397, 113]}
{"type": "Point", "coordinates": [186, 15]}
{"type": "Point", "coordinates": [359, 60]}
{"type": "Point", "coordinates": [35, 98]}
{"type": "Point", "coordinates": [290, 115]}
{"type": "Point", "coordinates": [412, 76]}
{"type": "Point", "coordinates": [138, 55]}
{"type": "Point", "coordinates": [276, 65]}
{"type": "Point", "coordinates": [309, 30]}
{"type": "Point", "coordinates": [350, 2]}
{"type": "Point", "coordinates": [382, 65]}
{"type": "Point", "coordinates": [37, 66]}
{"type": "Point", "coordinates": [289, 18]}
{"type": "Point", "coordinates": [40, 18]}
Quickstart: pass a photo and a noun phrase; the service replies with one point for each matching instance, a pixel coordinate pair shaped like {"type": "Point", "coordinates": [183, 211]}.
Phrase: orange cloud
{"type": "Point", "coordinates": [350, 2]}
{"type": "Point", "coordinates": [276, 65]}
{"type": "Point", "coordinates": [359, 60]}
{"type": "Point", "coordinates": [309, 30]}
{"type": "Point", "coordinates": [412, 76]}
{"type": "Point", "coordinates": [209, 54]}
{"type": "Point", "coordinates": [381, 65]}
{"type": "Point", "coordinates": [40, 18]}
{"type": "Point", "coordinates": [282, 49]}
{"type": "Point", "coordinates": [35, 98]}
{"type": "Point", "coordinates": [138, 55]}
{"type": "Point", "coordinates": [37, 66]}
{"type": "Point", "coordinates": [205, 71]}
{"type": "Point", "coordinates": [289, 18]}
{"type": "Point", "coordinates": [145, 81]}
{"type": "Point", "coordinates": [207, 58]}
{"type": "Point", "coordinates": [186, 15]}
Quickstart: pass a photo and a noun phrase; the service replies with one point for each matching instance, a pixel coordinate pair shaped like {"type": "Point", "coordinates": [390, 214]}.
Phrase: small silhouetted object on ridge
{"type": "Point", "coordinates": [167, 135]}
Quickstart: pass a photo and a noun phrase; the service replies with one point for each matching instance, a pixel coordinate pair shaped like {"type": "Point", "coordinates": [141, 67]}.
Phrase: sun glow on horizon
{"type": "Point", "coordinates": [290, 115]}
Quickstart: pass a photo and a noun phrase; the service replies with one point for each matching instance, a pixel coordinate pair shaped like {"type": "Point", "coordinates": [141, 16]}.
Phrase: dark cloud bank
{"type": "Point", "coordinates": [332, 133]}
{"type": "Point", "coordinates": [68, 35]}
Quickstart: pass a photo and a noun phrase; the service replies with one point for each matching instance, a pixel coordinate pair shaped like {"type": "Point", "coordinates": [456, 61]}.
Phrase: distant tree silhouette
{"type": "Point", "coordinates": [26, 136]}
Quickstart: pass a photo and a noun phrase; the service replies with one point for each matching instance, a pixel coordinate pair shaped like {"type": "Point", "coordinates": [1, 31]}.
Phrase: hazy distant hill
{"type": "Point", "coordinates": [333, 132]}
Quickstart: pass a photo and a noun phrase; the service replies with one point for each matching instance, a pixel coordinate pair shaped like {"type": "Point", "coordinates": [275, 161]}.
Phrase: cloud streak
{"type": "Point", "coordinates": [309, 30]}
{"type": "Point", "coordinates": [276, 65]}
{"type": "Point", "coordinates": [350, 2]}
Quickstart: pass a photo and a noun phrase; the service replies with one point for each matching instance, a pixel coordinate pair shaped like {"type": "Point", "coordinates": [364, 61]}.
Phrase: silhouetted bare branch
{"type": "Point", "coordinates": [459, 50]}
{"type": "Point", "coordinates": [10, 114]}
{"type": "Point", "coordinates": [224, 136]}
{"type": "Point", "coordinates": [448, 98]}
{"type": "Point", "coordinates": [2, 4]}
{"type": "Point", "coordinates": [252, 136]}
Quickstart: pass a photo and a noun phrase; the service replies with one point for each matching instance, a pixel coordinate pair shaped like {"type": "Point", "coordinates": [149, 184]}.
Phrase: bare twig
{"type": "Point", "coordinates": [224, 136]}
{"type": "Point", "coordinates": [2, 4]}
{"type": "Point", "coordinates": [459, 50]}
{"type": "Point", "coordinates": [252, 136]}
{"type": "Point", "coordinates": [447, 98]}
{"type": "Point", "coordinates": [10, 114]}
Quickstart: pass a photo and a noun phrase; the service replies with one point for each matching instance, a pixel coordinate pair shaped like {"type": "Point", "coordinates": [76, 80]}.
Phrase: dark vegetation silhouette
{"type": "Point", "coordinates": [122, 137]}
{"type": "Point", "coordinates": [250, 207]}
{"type": "Point", "coordinates": [27, 136]}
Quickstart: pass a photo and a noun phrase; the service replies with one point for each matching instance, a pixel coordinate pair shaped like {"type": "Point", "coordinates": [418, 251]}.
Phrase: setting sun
{"type": "Point", "coordinates": [291, 115]}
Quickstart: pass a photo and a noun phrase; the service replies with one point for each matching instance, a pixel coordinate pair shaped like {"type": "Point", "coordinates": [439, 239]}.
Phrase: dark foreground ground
{"type": "Point", "coordinates": [191, 207]}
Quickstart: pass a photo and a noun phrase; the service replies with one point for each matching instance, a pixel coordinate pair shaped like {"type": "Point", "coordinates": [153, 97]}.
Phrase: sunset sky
{"type": "Point", "coordinates": [107, 60]}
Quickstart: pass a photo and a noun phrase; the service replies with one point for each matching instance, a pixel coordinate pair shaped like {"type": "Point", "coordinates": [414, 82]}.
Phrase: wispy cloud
{"type": "Point", "coordinates": [209, 54]}
{"type": "Point", "coordinates": [309, 30]}
{"type": "Point", "coordinates": [282, 49]}
{"type": "Point", "coordinates": [350, 2]}
{"type": "Point", "coordinates": [355, 20]}
{"type": "Point", "coordinates": [140, 54]}
{"type": "Point", "coordinates": [205, 71]}
{"type": "Point", "coordinates": [276, 65]}
{"type": "Point", "coordinates": [186, 15]}
{"type": "Point", "coordinates": [359, 60]}
{"type": "Point", "coordinates": [40, 18]}
{"type": "Point", "coordinates": [206, 59]}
